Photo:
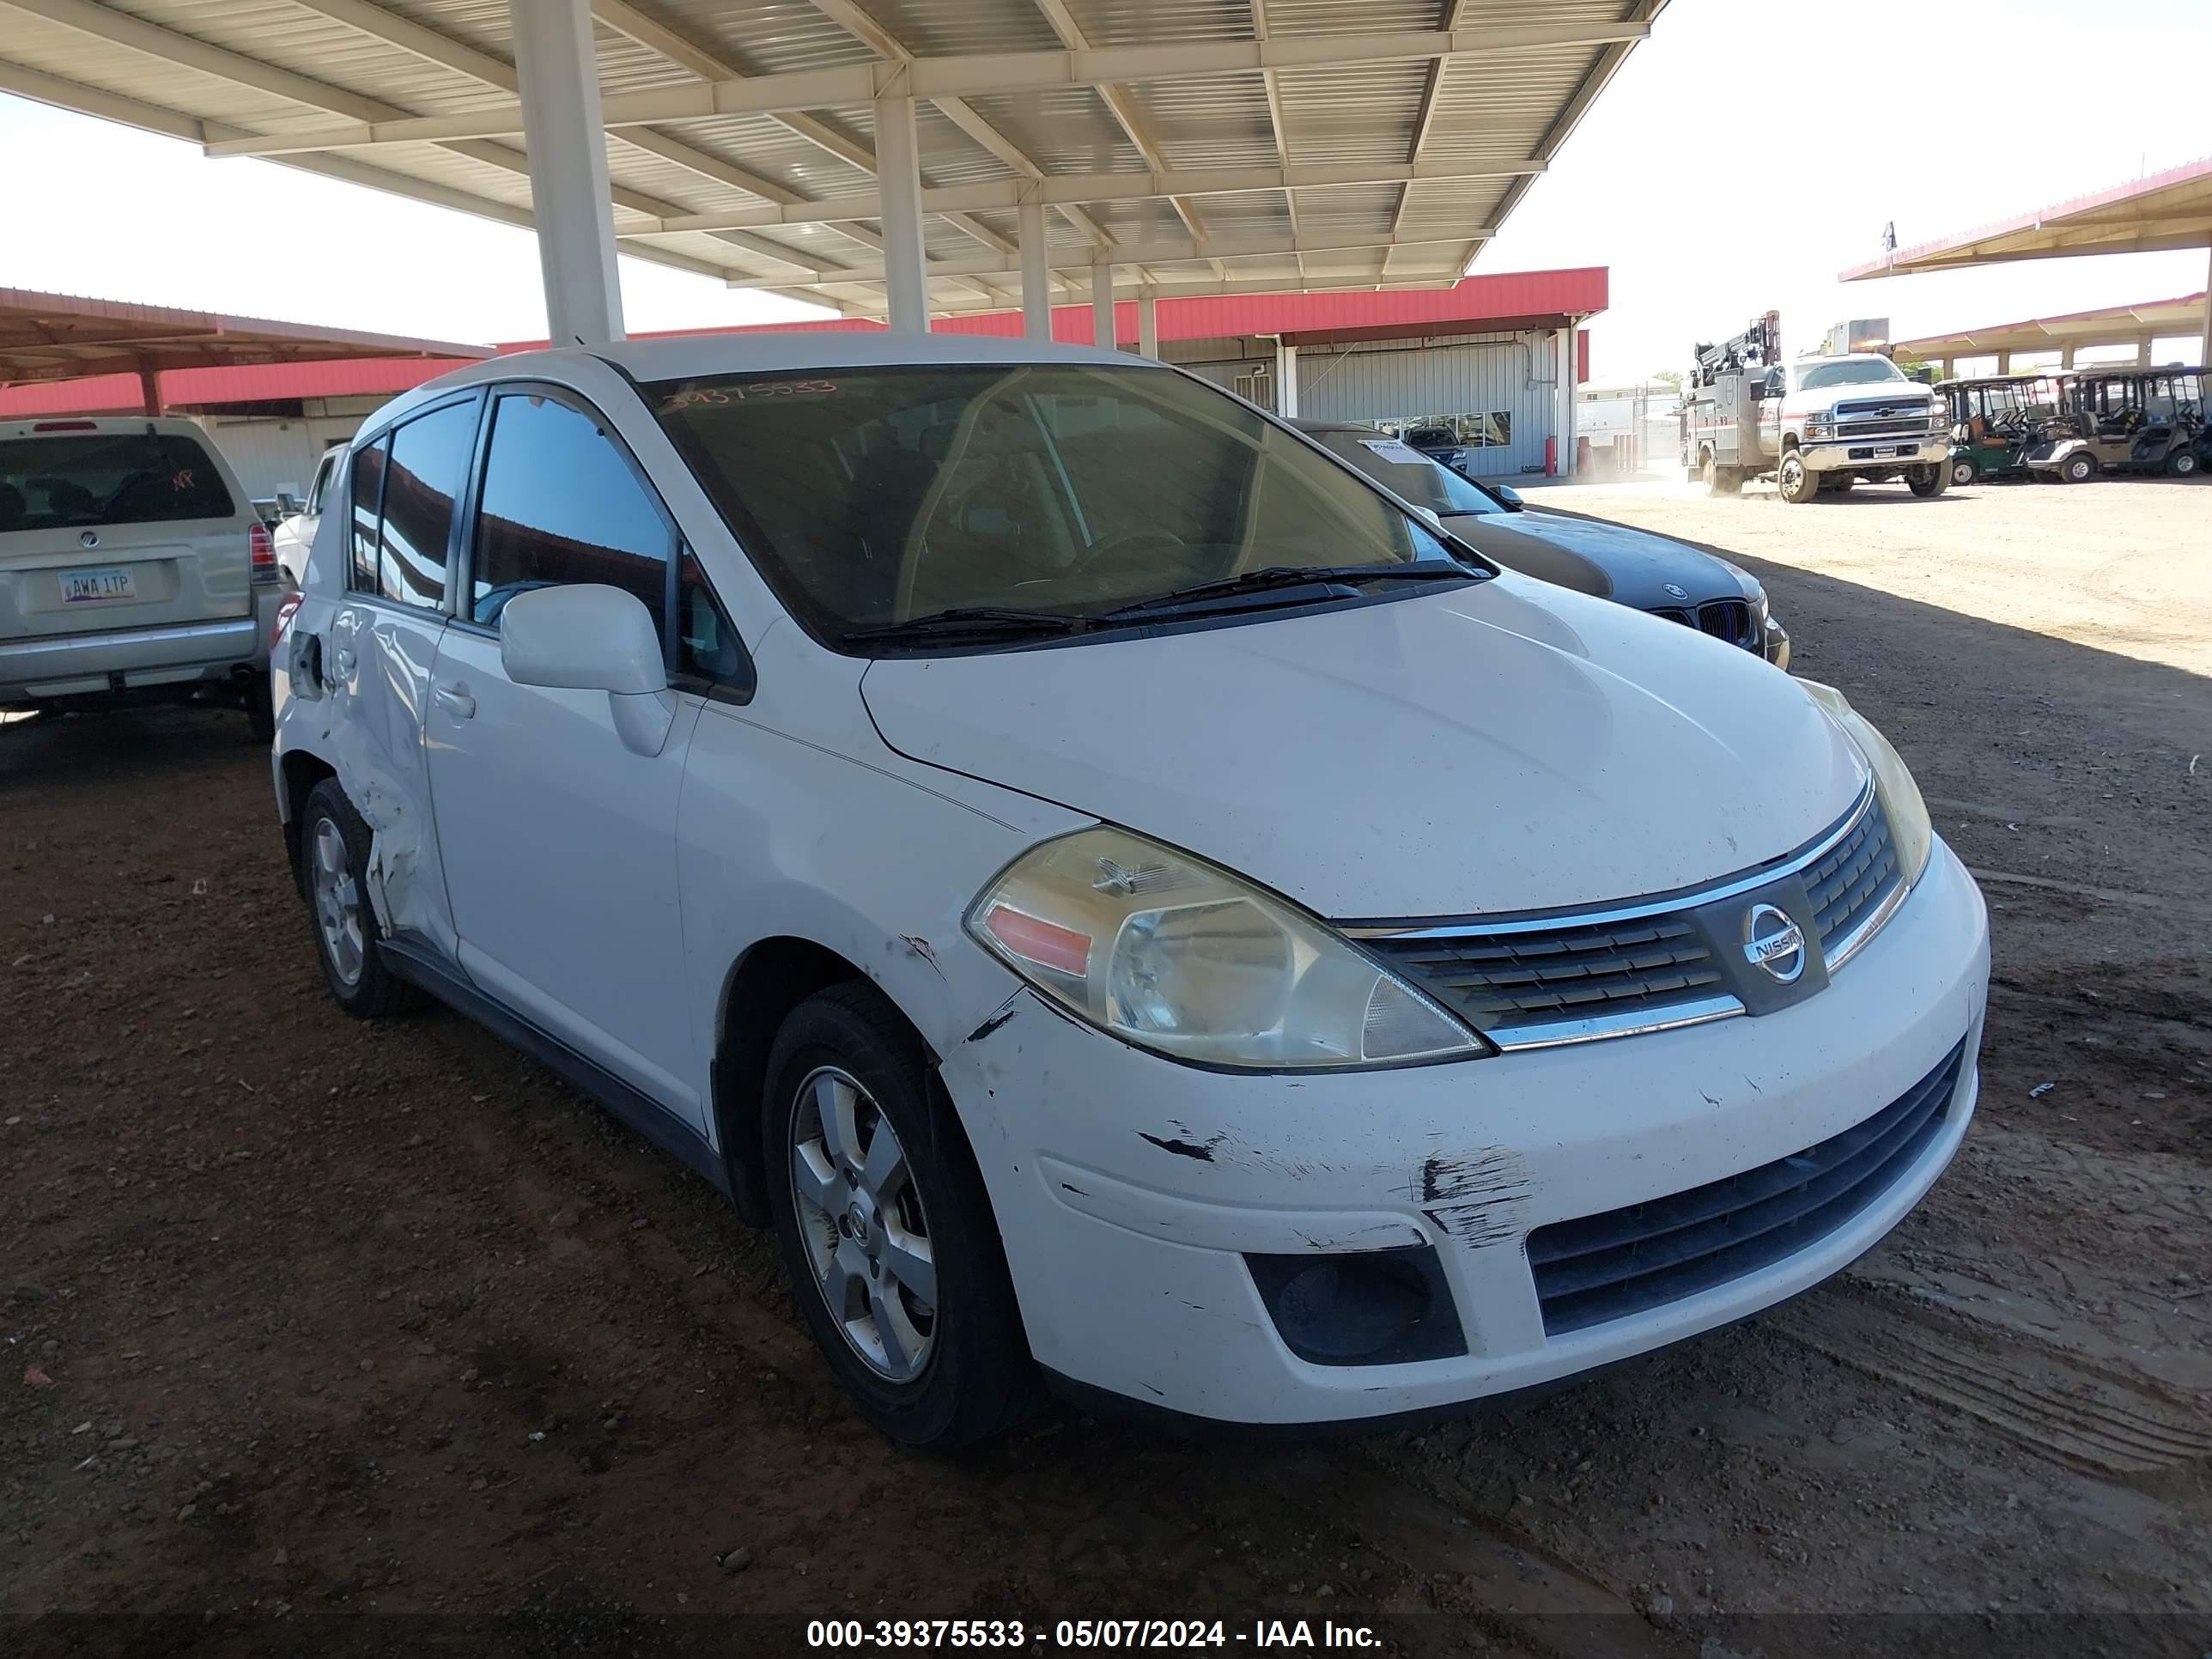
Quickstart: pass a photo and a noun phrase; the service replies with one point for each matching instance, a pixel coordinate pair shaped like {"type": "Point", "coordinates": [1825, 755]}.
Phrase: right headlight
{"type": "Point", "coordinates": [1910, 830]}
{"type": "Point", "coordinates": [1180, 957]}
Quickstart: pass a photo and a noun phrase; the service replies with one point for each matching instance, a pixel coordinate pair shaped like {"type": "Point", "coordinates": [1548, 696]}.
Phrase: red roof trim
{"type": "Point", "coordinates": [1509, 300]}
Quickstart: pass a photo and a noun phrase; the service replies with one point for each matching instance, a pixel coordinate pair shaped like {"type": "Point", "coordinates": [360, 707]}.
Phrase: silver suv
{"type": "Point", "coordinates": [132, 570]}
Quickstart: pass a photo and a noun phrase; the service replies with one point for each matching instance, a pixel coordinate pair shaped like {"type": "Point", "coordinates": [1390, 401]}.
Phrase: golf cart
{"type": "Point", "coordinates": [2125, 420]}
{"type": "Point", "coordinates": [1995, 421]}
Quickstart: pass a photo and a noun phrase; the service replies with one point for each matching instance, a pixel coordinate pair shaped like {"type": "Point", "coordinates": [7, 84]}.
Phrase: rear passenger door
{"type": "Point", "coordinates": [559, 840]}
{"type": "Point", "coordinates": [382, 643]}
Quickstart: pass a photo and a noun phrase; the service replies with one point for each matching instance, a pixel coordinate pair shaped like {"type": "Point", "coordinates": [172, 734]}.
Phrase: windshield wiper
{"type": "Point", "coordinates": [1277, 583]}
{"type": "Point", "coordinates": [971, 619]}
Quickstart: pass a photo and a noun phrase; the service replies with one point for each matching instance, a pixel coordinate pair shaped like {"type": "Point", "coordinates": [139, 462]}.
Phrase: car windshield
{"type": "Point", "coordinates": [1847, 371]}
{"type": "Point", "coordinates": [875, 496]}
{"type": "Point", "coordinates": [1404, 470]}
{"type": "Point", "coordinates": [56, 481]}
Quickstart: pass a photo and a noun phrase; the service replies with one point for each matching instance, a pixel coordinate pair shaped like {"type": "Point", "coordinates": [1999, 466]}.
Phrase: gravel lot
{"type": "Point", "coordinates": [324, 1337]}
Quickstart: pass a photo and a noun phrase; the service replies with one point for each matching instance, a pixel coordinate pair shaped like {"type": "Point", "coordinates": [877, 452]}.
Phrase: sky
{"type": "Point", "coordinates": [1681, 179]}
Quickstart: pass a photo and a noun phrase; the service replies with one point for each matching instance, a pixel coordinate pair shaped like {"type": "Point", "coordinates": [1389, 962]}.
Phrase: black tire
{"type": "Point", "coordinates": [2182, 463]}
{"type": "Point", "coordinates": [978, 1380]}
{"type": "Point", "coordinates": [261, 710]}
{"type": "Point", "coordinates": [374, 992]}
{"type": "Point", "coordinates": [2078, 468]}
{"type": "Point", "coordinates": [1720, 480]}
{"type": "Point", "coordinates": [1797, 483]}
{"type": "Point", "coordinates": [1928, 481]}
{"type": "Point", "coordinates": [1962, 472]}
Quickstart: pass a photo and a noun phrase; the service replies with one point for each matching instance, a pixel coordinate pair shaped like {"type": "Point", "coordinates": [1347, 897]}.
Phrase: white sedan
{"type": "Point", "coordinates": [1137, 908]}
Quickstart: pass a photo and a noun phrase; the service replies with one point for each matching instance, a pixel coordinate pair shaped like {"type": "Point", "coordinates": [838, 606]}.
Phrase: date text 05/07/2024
{"type": "Point", "coordinates": [1013, 1634]}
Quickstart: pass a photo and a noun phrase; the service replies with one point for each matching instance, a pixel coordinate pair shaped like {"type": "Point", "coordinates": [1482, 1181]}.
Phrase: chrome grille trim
{"type": "Point", "coordinates": [1475, 926]}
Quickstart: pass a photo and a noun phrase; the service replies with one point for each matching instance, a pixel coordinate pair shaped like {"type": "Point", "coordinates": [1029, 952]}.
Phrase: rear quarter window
{"type": "Point", "coordinates": [63, 482]}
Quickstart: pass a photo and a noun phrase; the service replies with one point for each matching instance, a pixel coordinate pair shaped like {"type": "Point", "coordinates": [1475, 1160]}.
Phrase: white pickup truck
{"type": "Point", "coordinates": [1820, 423]}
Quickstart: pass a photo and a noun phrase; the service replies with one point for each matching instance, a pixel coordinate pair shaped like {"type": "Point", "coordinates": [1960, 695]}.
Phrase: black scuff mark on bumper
{"type": "Point", "coordinates": [1007, 1011]}
{"type": "Point", "coordinates": [1202, 1151]}
{"type": "Point", "coordinates": [1476, 1197]}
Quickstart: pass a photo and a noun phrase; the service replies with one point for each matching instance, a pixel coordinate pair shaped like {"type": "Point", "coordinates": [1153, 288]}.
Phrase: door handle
{"type": "Point", "coordinates": [456, 701]}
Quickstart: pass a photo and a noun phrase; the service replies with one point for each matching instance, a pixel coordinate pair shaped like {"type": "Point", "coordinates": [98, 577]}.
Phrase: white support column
{"type": "Point", "coordinates": [1286, 380]}
{"type": "Point", "coordinates": [1037, 273]}
{"type": "Point", "coordinates": [898, 174]}
{"type": "Point", "coordinates": [557, 70]}
{"type": "Point", "coordinates": [1565, 424]}
{"type": "Point", "coordinates": [2004, 362]}
{"type": "Point", "coordinates": [2204, 346]}
{"type": "Point", "coordinates": [2143, 352]}
{"type": "Point", "coordinates": [1148, 325]}
{"type": "Point", "coordinates": [2065, 357]}
{"type": "Point", "coordinates": [1102, 304]}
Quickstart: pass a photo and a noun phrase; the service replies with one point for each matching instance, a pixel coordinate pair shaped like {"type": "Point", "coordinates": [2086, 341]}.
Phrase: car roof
{"type": "Point", "coordinates": [773, 350]}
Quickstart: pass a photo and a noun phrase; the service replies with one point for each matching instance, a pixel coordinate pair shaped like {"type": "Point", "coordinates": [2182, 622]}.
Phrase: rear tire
{"type": "Point", "coordinates": [2182, 463]}
{"type": "Point", "coordinates": [1962, 472]}
{"type": "Point", "coordinates": [1796, 482]}
{"type": "Point", "coordinates": [334, 846]}
{"type": "Point", "coordinates": [1720, 480]}
{"type": "Point", "coordinates": [1928, 481]}
{"type": "Point", "coordinates": [928, 1342]}
{"type": "Point", "coordinates": [2078, 468]}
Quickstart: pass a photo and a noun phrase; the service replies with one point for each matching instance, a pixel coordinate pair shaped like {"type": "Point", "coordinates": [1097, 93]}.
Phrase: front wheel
{"type": "Point", "coordinates": [1928, 481]}
{"type": "Point", "coordinates": [1797, 483]}
{"type": "Point", "coordinates": [1962, 472]}
{"type": "Point", "coordinates": [2078, 468]}
{"type": "Point", "coordinates": [2182, 463]}
{"type": "Point", "coordinates": [893, 1251]}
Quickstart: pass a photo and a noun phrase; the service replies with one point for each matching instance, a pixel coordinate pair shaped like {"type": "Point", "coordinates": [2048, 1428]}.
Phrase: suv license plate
{"type": "Point", "coordinates": [89, 586]}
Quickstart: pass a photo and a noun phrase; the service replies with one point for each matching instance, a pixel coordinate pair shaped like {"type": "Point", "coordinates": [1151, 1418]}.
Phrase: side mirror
{"type": "Point", "coordinates": [1509, 495]}
{"type": "Point", "coordinates": [588, 637]}
{"type": "Point", "coordinates": [1428, 516]}
{"type": "Point", "coordinates": [287, 503]}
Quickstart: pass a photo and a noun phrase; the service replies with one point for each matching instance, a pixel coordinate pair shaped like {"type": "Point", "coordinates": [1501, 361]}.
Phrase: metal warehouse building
{"type": "Point", "coordinates": [1485, 356]}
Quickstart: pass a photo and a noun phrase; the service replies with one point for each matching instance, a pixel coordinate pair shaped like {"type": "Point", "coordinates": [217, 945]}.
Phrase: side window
{"type": "Point", "coordinates": [562, 505]}
{"type": "Point", "coordinates": [429, 459]}
{"type": "Point", "coordinates": [367, 507]}
{"type": "Point", "coordinates": [706, 644]}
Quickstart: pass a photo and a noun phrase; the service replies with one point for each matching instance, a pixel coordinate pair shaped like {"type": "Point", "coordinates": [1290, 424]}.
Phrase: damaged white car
{"type": "Point", "coordinates": [1136, 906]}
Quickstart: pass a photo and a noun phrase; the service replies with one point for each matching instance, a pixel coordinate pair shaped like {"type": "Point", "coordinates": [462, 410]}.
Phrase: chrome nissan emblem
{"type": "Point", "coordinates": [89, 538]}
{"type": "Point", "coordinates": [1677, 592]}
{"type": "Point", "coordinates": [1773, 941]}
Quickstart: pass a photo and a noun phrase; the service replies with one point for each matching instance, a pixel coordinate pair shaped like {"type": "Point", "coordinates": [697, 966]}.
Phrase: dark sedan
{"type": "Point", "coordinates": [1668, 578]}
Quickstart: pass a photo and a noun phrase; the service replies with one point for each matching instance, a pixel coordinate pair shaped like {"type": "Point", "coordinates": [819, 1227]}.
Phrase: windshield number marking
{"type": "Point", "coordinates": [715, 397]}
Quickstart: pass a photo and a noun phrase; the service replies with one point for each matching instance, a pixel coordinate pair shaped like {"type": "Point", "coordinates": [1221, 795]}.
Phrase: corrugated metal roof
{"type": "Point", "coordinates": [2163, 210]}
{"type": "Point", "coordinates": [1450, 88]}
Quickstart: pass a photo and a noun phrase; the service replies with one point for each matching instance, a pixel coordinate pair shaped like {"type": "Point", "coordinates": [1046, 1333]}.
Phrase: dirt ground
{"type": "Point", "coordinates": [321, 1337]}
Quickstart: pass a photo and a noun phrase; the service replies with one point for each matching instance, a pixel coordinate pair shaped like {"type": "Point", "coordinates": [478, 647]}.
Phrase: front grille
{"type": "Point", "coordinates": [1850, 880]}
{"type": "Point", "coordinates": [1505, 981]}
{"type": "Point", "coordinates": [1729, 619]}
{"type": "Point", "coordinates": [1883, 417]}
{"type": "Point", "coordinates": [1603, 1268]}
{"type": "Point", "coordinates": [1723, 619]}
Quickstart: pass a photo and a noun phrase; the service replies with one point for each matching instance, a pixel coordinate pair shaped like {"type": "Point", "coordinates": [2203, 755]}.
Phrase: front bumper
{"type": "Point", "coordinates": [135, 660]}
{"type": "Point", "coordinates": [1903, 449]}
{"type": "Point", "coordinates": [1129, 1190]}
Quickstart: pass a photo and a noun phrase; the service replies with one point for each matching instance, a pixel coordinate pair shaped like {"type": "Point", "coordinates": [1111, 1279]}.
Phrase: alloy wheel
{"type": "Point", "coordinates": [861, 1220]}
{"type": "Point", "coordinates": [338, 903]}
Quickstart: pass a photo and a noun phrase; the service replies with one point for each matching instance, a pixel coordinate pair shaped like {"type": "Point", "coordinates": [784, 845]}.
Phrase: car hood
{"type": "Point", "coordinates": [1613, 561]}
{"type": "Point", "coordinates": [1507, 746]}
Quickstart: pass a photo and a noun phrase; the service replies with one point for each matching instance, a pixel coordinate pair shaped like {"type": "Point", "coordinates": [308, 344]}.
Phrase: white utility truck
{"type": "Point", "coordinates": [1820, 423]}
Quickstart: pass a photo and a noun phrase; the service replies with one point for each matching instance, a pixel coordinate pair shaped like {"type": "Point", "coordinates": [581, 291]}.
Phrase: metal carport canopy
{"type": "Point", "coordinates": [2160, 212]}
{"type": "Point", "coordinates": [61, 337]}
{"type": "Point", "coordinates": [896, 156]}
{"type": "Point", "coordinates": [2107, 325]}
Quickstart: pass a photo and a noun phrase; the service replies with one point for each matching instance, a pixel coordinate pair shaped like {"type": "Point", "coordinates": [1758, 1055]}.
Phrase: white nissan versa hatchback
{"type": "Point", "coordinates": [1132, 904]}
